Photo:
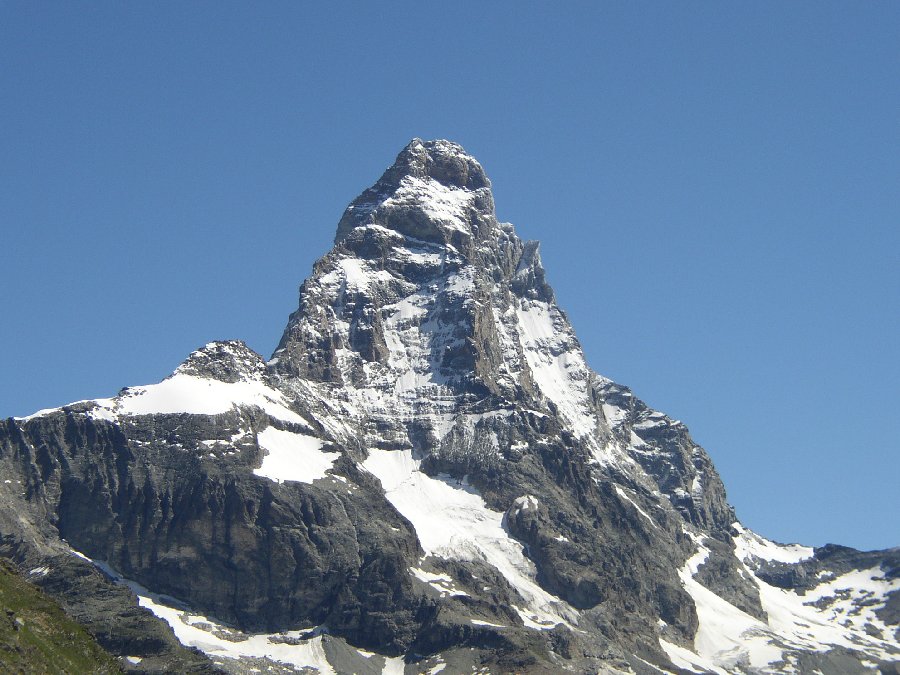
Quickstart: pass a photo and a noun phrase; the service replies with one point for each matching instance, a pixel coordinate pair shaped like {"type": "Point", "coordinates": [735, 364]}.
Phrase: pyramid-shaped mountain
{"type": "Point", "coordinates": [424, 477]}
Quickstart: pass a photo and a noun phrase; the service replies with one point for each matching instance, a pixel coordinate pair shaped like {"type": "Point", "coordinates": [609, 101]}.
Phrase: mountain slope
{"type": "Point", "coordinates": [36, 636]}
{"type": "Point", "coordinates": [426, 468]}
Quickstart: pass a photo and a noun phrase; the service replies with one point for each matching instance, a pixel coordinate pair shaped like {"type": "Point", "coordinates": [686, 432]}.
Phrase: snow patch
{"type": "Point", "coordinates": [834, 614]}
{"type": "Point", "coordinates": [749, 545]}
{"type": "Point", "coordinates": [614, 415]}
{"type": "Point", "coordinates": [452, 521]}
{"type": "Point", "coordinates": [394, 666]}
{"type": "Point", "coordinates": [683, 658]}
{"type": "Point", "coordinates": [442, 583]}
{"type": "Point", "coordinates": [104, 410]}
{"type": "Point", "coordinates": [558, 369]}
{"type": "Point", "coordinates": [442, 203]}
{"type": "Point", "coordinates": [358, 275]}
{"type": "Point", "coordinates": [525, 503]}
{"type": "Point", "coordinates": [293, 457]}
{"type": "Point", "coordinates": [35, 415]}
{"type": "Point", "coordinates": [726, 636]}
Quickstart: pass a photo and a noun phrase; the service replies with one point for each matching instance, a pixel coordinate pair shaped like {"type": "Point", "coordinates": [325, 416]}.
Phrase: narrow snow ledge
{"type": "Point", "coordinates": [296, 649]}
{"type": "Point", "coordinates": [293, 457]}
{"type": "Point", "coordinates": [624, 495]}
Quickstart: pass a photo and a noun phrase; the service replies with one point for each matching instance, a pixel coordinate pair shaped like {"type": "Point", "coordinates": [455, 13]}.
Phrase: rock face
{"type": "Point", "coordinates": [427, 469]}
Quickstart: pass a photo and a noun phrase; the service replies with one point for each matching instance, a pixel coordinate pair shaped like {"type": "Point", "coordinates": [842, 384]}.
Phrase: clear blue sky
{"type": "Point", "coordinates": [715, 186]}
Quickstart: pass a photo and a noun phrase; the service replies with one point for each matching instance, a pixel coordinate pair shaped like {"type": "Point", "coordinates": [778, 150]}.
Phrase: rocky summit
{"type": "Point", "coordinates": [424, 477]}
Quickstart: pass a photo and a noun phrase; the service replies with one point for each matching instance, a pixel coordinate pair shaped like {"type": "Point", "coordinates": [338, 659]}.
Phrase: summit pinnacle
{"type": "Point", "coordinates": [434, 191]}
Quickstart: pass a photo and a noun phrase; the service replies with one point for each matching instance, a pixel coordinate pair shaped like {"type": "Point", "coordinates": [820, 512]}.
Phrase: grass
{"type": "Point", "coordinates": [36, 636]}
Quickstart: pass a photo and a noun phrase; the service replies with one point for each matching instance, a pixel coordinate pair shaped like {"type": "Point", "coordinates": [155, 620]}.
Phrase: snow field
{"type": "Point", "coordinates": [293, 457]}
{"type": "Point", "coordinates": [728, 637]}
{"type": "Point", "coordinates": [452, 522]}
{"type": "Point", "coordinates": [192, 395]}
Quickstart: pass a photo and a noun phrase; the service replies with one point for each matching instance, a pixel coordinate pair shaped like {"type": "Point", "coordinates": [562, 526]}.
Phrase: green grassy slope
{"type": "Point", "coordinates": [37, 637]}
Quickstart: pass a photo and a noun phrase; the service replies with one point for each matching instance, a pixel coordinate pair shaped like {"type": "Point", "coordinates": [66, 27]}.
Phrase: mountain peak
{"type": "Point", "coordinates": [444, 161]}
{"type": "Point", "coordinates": [431, 189]}
{"type": "Point", "coordinates": [428, 468]}
{"type": "Point", "coordinates": [223, 360]}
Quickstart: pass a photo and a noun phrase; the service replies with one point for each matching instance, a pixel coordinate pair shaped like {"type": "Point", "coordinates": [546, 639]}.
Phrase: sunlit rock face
{"type": "Point", "coordinates": [425, 474]}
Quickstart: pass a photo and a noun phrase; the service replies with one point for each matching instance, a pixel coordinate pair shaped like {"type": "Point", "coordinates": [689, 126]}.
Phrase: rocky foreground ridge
{"type": "Point", "coordinates": [425, 477]}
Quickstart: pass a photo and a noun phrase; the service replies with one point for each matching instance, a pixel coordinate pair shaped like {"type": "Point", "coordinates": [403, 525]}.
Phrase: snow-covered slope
{"type": "Point", "coordinates": [427, 468]}
{"type": "Point", "coordinates": [835, 612]}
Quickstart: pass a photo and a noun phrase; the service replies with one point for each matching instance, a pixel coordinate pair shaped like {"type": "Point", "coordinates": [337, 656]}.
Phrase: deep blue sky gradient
{"type": "Point", "coordinates": [715, 186]}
